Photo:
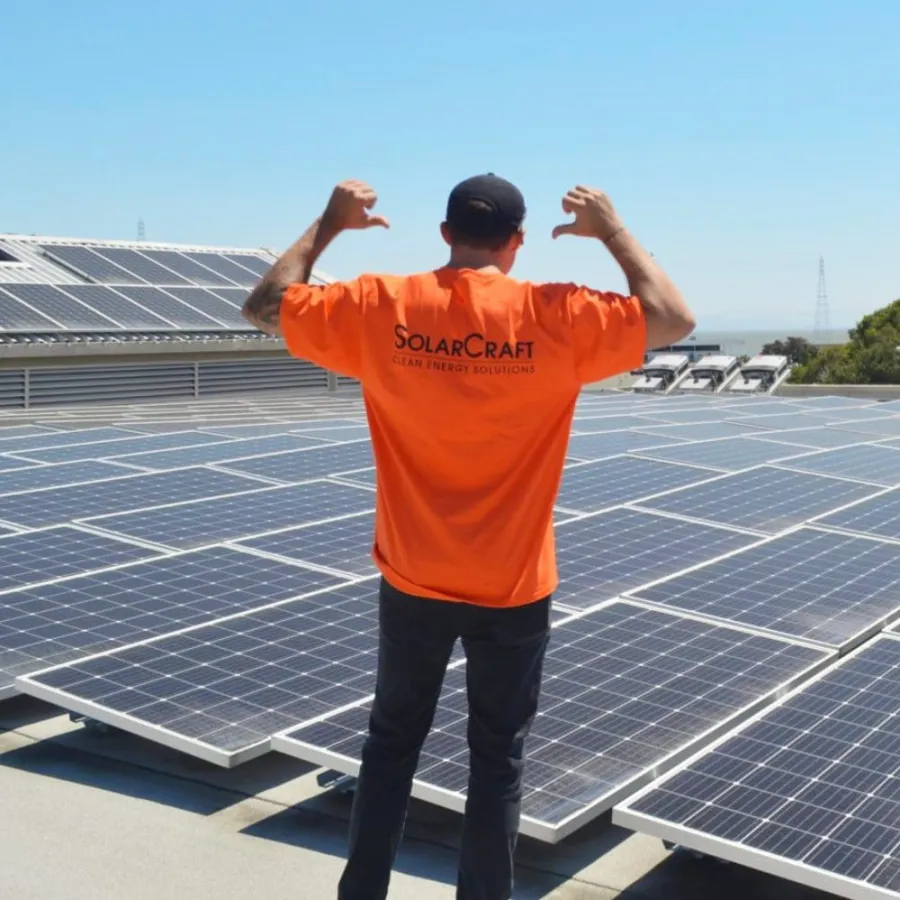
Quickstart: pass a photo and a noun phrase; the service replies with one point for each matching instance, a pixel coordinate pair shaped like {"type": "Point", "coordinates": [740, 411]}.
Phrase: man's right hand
{"type": "Point", "coordinates": [594, 215]}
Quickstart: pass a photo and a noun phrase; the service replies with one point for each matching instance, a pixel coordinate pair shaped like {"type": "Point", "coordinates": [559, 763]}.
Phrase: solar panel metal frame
{"type": "Point", "coordinates": [536, 828]}
{"type": "Point", "coordinates": [731, 851]}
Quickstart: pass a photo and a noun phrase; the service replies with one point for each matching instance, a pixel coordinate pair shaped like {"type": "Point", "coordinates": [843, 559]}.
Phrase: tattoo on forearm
{"type": "Point", "coordinates": [263, 306]}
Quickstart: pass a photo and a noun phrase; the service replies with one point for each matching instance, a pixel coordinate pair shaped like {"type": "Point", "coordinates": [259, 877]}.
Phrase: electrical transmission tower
{"type": "Point", "coordinates": [823, 326]}
{"type": "Point", "coordinates": [142, 235]}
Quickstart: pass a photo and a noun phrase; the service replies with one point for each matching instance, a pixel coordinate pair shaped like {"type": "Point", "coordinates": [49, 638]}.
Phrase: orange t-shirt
{"type": "Point", "coordinates": [470, 381]}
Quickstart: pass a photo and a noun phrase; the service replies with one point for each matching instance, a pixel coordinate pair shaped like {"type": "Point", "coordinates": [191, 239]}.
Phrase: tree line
{"type": "Point", "coordinates": [870, 356]}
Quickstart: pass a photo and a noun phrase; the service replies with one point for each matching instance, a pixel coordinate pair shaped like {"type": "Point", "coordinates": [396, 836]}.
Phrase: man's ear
{"type": "Point", "coordinates": [445, 234]}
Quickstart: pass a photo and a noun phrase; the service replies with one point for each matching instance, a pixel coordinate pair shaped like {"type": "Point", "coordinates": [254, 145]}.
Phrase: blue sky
{"type": "Point", "coordinates": [738, 140]}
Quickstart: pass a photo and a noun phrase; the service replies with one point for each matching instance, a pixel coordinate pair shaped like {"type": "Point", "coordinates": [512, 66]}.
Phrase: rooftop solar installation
{"type": "Point", "coordinates": [871, 463]}
{"type": "Point", "coordinates": [589, 446]}
{"type": "Point", "coordinates": [220, 692]}
{"type": "Point", "coordinates": [301, 465]}
{"type": "Point", "coordinates": [726, 454]}
{"type": "Point", "coordinates": [35, 477]}
{"type": "Point", "coordinates": [701, 431]}
{"type": "Point", "coordinates": [821, 438]}
{"type": "Point", "coordinates": [600, 556]}
{"type": "Point", "coordinates": [878, 516]}
{"type": "Point", "coordinates": [765, 499]}
{"type": "Point", "coordinates": [55, 506]}
{"type": "Point", "coordinates": [222, 451]}
{"type": "Point", "coordinates": [594, 486]}
{"type": "Point", "coordinates": [626, 690]}
{"type": "Point", "coordinates": [202, 522]}
{"type": "Point", "coordinates": [32, 557]}
{"type": "Point", "coordinates": [109, 449]}
{"type": "Point", "coordinates": [806, 791]}
{"type": "Point", "coordinates": [55, 622]}
{"type": "Point", "coordinates": [884, 426]}
{"type": "Point", "coordinates": [342, 545]}
{"type": "Point", "coordinates": [714, 538]}
{"type": "Point", "coordinates": [808, 584]}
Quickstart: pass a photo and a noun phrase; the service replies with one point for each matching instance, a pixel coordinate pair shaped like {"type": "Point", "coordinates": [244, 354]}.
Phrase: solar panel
{"type": "Point", "coordinates": [27, 443]}
{"type": "Point", "coordinates": [133, 443]}
{"type": "Point", "coordinates": [35, 556]}
{"type": "Point", "coordinates": [218, 451]}
{"type": "Point", "coordinates": [189, 268]}
{"type": "Point", "coordinates": [725, 454]}
{"type": "Point", "coordinates": [36, 477]}
{"type": "Point", "coordinates": [235, 296]}
{"type": "Point", "coordinates": [9, 464]}
{"type": "Point", "coordinates": [254, 429]}
{"type": "Point", "coordinates": [808, 791]}
{"type": "Point", "coordinates": [777, 421]}
{"type": "Point", "coordinates": [219, 692]}
{"type": "Point", "coordinates": [254, 263]}
{"type": "Point", "coordinates": [197, 523]}
{"type": "Point", "coordinates": [600, 485]}
{"type": "Point", "coordinates": [689, 416]}
{"type": "Point", "coordinates": [809, 584]}
{"type": "Point", "coordinates": [171, 309]}
{"type": "Point", "coordinates": [766, 499]}
{"type": "Point", "coordinates": [16, 316]}
{"type": "Point", "coordinates": [339, 433]}
{"type": "Point", "coordinates": [341, 545]}
{"type": "Point", "coordinates": [884, 426]}
{"type": "Point", "coordinates": [626, 692]}
{"type": "Point", "coordinates": [878, 516]}
{"type": "Point", "coordinates": [145, 269]}
{"type": "Point", "coordinates": [116, 306]}
{"type": "Point", "coordinates": [700, 431]}
{"type": "Point", "coordinates": [613, 443]}
{"type": "Point", "coordinates": [54, 623]}
{"type": "Point", "coordinates": [221, 310]}
{"type": "Point", "coordinates": [603, 555]}
{"type": "Point", "coordinates": [54, 506]}
{"type": "Point", "coordinates": [365, 477]}
{"type": "Point", "coordinates": [225, 266]}
{"type": "Point", "coordinates": [86, 262]}
{"type": "Point", "coordinates": [835, 401]}
{"type": "Point", "coordinates": [817, 438]}
{"type": "Point", "coordinates": [873, 463]}
{"type": "Point", "coordinates": [300, 465]}
{"type": "Point", "coordinates": [8, 431]}
{"type": "Point", "coordinates": [61, 308]}
{"type": "Point", "coordinates": [853, 414]}
{"type": "Point", "coordinates": [599, 423]}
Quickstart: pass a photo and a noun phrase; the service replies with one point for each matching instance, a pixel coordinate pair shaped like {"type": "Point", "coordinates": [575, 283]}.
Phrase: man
{"type": "Point", "coordinates": [470, 381]}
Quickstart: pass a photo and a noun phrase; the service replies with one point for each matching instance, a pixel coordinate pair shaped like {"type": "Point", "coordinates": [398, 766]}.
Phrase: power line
{"type": "Point", "coordinates": [823, 325]}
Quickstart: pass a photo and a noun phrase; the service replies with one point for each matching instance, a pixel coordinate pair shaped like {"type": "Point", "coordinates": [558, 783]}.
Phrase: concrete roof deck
{"type": "Point", "coordinates": [94, 816]}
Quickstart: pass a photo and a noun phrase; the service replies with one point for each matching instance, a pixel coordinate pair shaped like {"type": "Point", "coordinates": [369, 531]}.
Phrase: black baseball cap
{"type": "Point", "coordinates": [485, 208]}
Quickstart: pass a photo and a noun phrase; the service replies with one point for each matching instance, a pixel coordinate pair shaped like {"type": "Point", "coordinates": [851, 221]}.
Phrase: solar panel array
{"type": "Point", "coordinates": [199, 573]}
{"type": "Point", "coordinates": [84, 287]}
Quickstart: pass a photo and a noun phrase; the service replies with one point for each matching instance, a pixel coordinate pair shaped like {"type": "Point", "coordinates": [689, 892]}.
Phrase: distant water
{"type": "Point", "coordinates": [738, 343]}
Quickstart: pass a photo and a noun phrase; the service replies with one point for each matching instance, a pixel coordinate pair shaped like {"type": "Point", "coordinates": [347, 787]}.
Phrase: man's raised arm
{"type": "Point", "coordinates": [667, 315]}
{"type": "Point", "coordinates": [347, 209]}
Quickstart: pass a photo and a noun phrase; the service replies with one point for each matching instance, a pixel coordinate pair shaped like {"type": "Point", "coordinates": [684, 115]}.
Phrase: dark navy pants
{"type": "Point", "coordinates": [504, 657]}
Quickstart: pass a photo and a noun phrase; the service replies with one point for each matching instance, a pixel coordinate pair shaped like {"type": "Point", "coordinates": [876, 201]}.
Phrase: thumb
{"type": "Point", "coordinates": [565, 228]}
{"type": "Point", "coordinates": [377, 221]}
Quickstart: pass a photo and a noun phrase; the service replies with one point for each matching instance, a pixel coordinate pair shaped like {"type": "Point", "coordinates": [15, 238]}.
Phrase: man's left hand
{"type": "Point", "coordinates": [349, 207]}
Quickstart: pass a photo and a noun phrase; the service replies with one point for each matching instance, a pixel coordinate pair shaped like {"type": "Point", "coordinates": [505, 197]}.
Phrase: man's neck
{"type": "Point", "coordinates": [473, 259]}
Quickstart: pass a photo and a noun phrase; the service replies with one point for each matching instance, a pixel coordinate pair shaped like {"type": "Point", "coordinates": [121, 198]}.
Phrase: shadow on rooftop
{"type": "Point", "coordinates": [684, 876]}
{"type": "Point", "coordinates": [431, 842]}
{"type": "Point", "coordinates": [122, 763]}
